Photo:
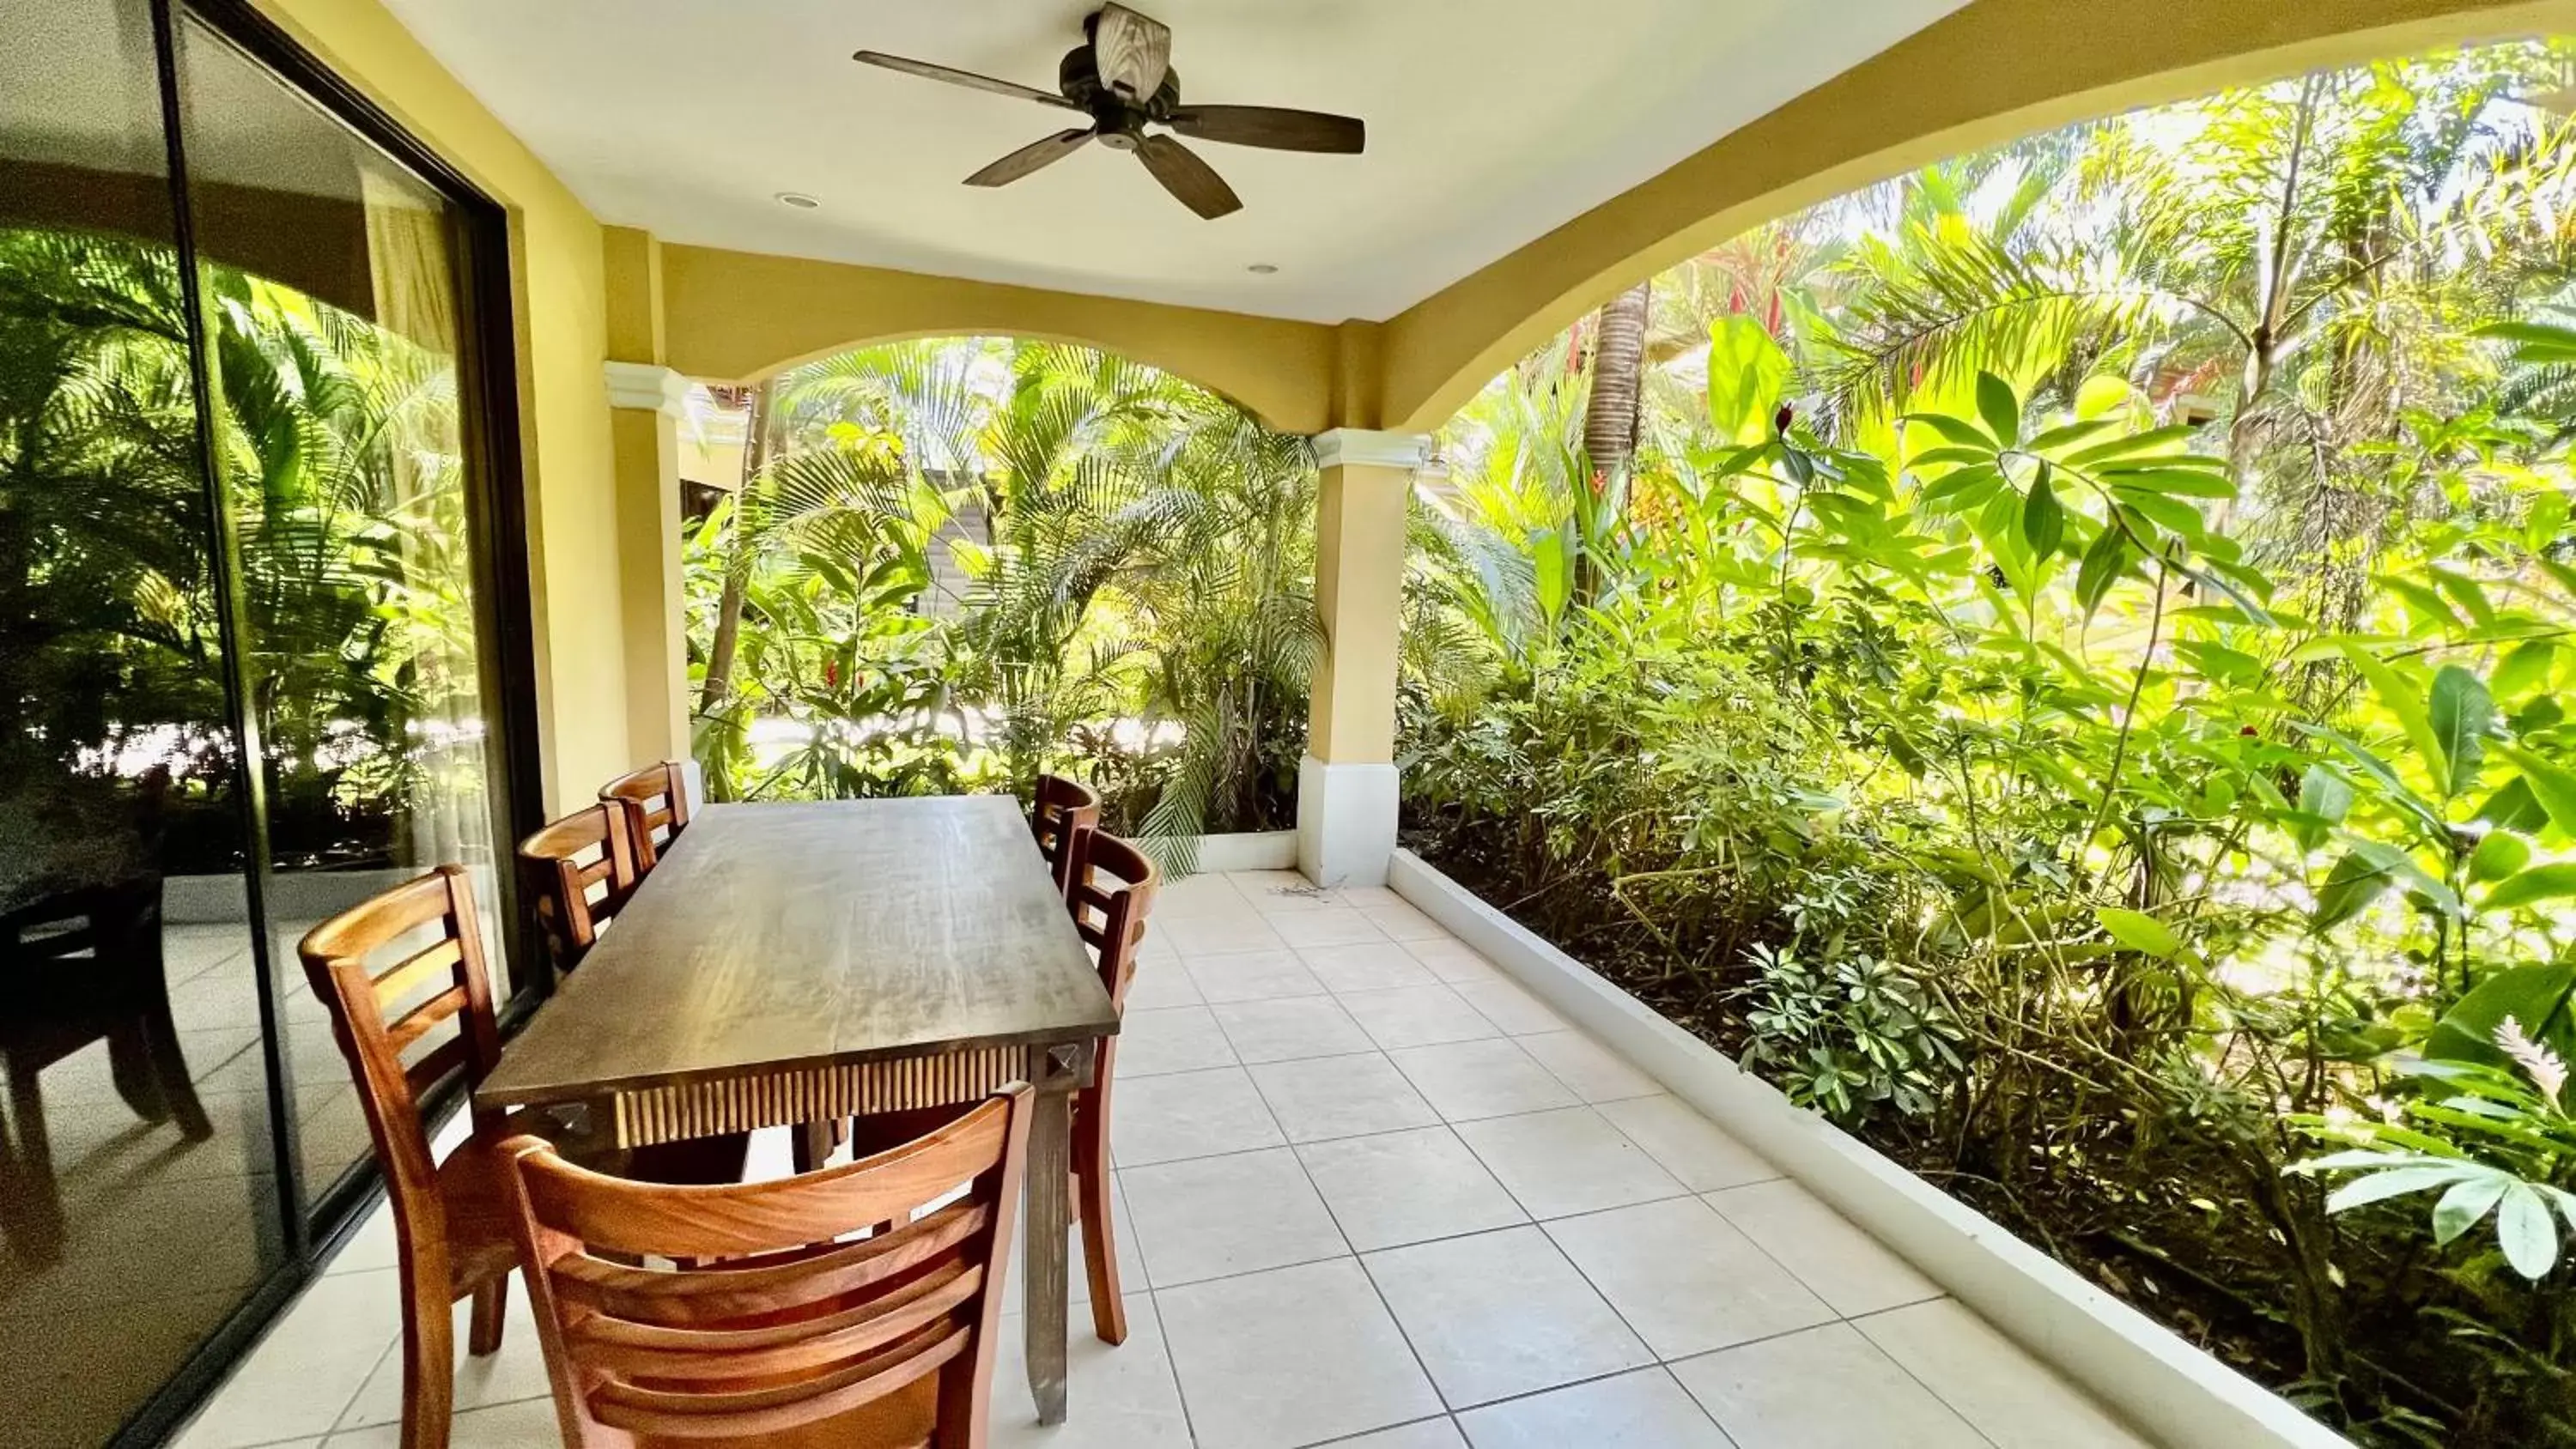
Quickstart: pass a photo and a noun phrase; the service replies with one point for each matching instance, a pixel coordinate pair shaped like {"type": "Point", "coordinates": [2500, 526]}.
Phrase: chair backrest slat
{"type": "Point", "coordinates": [580, 870]}
{"type": "Point", "coordinates": [644, 1297]}
{"type": "Point", "coordinates": [785, 1323]}
{"type": "Point", "coordinates": [1111, 917]}
{"type": "Point", "coordinates": [1062, 813]}
{"type": "Point", "coordinates": [655, 799]}
{"type": "Point", "coordinates": [337, 955]}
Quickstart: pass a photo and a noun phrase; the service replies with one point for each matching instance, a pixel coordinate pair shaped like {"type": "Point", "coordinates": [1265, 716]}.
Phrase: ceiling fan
{"type": "Point", "coordinates": [1121, 75]}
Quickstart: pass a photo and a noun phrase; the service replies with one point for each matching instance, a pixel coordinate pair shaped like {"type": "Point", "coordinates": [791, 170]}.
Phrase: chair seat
{"type": "Point", "coordinates": [480, 1241]}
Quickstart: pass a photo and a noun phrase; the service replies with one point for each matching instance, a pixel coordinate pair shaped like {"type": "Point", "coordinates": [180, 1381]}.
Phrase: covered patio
{"type": "Point", "coordinates": [1374, 1193]}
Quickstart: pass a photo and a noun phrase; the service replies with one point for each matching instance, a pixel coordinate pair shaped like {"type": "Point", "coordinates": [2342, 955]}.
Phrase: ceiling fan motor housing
{"type": "Point", "coordinates": [1078, 78]}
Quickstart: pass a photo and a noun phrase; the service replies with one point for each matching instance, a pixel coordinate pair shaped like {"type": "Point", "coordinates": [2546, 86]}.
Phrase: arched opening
{"type": "Point", "coordinates": [2055, 662]}
{"type": "Point", "coordinates": [954, 563]}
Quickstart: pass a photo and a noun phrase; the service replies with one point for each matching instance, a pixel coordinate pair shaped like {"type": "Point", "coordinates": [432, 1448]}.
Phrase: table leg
{"type": "Point", "coordinates": [1055, 1072]}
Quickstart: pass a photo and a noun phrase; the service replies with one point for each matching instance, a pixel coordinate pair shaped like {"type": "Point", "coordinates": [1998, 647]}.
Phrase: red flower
{"type": "Point", "coordinates": [831, 674]}
{"type": "Point", "coordinates": [1782, 419]}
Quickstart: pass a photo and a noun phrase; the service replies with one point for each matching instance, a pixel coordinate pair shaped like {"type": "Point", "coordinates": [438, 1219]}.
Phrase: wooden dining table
{"type": "Point", "coordinates": [793, 964]}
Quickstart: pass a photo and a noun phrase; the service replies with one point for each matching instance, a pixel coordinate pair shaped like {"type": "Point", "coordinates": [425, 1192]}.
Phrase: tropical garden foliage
{"type": "Point", "coordinates": [2070, 682]}
{"type": "Point", "coordinates": [350, 589]}
{"type": "Point", "coordinates": [956, 564]}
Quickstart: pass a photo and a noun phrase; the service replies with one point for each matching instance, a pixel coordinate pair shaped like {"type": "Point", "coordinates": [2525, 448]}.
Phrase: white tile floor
{"type": "Point", "coordinates": [1376, 1196]}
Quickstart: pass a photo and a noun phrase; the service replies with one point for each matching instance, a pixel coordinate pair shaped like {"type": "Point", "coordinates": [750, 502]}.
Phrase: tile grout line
{"type": "Point", "coordinates": [1927, 1385]}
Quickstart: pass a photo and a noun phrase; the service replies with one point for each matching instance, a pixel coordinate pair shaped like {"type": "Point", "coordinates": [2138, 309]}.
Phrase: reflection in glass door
{"type": "Point", "coordinates": [329, 273]}
{"type": "Point", "coordinates": [139, 1196]}
{"type": "Point", "coordinates": [250, 666]}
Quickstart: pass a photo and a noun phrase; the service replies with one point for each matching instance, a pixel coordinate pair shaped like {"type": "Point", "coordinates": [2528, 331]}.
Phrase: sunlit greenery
{"type": "Point", "coordinates": [2071, 685]}
{"type": "Point", "coordinates": [1128, 589]}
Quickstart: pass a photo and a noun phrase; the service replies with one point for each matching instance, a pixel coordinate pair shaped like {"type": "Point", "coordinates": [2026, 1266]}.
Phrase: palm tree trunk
{"type": "Point", "coordinates": [1618, 372]}
{"type": "Point", "coordinates": [1610, 416]}
{"type": "Point", "coordinates": [721, 649]}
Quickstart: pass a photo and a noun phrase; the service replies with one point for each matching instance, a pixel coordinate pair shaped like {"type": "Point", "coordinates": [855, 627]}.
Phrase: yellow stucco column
{"type": "Point", "coordinates": [1346, 785]}
{"type": "Point", "coordinates": [645, 400]}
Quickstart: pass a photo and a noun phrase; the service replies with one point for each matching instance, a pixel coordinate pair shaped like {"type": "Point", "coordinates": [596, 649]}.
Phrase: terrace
{"type": "Point", "coordinates": [1376, 1194]}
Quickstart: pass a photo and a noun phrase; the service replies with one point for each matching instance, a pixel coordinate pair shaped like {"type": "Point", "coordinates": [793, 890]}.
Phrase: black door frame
{"type": "Point", "coordinates": [318, 1220]}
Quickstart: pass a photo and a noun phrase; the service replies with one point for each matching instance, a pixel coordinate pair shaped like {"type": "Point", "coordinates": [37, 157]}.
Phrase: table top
{"type": "Point", "coordinates": [778, 936]}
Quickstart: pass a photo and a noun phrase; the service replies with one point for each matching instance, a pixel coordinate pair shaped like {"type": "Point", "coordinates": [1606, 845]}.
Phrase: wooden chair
{"type": "Point", "coordinates": [452, 1221]}
{"type": "Point", "coordinates": [581, 871]}
{"type": "Point", "coordinates": [1112, 922]}
{"type": "Point", "coordinates": [1111, 919]}
{"type": "Point", "coordinates": [83, 966]}
{"type": "Point", "coordinates": [789, 1332]}
{"type": "Point", "coordinates": [655, 798]}
{"type": "Point", "coordinates": [1060, 815]}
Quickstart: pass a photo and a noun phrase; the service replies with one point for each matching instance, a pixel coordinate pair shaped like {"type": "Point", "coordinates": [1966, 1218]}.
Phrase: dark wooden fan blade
{"type": "Point", "coordinates": [1032, 157]}
{"type": "Point", "coordinates": [1186, 176]}
{"type": "Point", "coordinates": [1132, 52]}
{"type": "Point", "coordinates": [956, 77]}
{"type": "Point", "coordinates": [1274, 127]}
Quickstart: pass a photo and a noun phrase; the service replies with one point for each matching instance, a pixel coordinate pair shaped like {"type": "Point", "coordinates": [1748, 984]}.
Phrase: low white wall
{"type": "Point", "coordinates": [2162, 1384]}
{"type": "Point", "coordinates": [292, 895]}
{"type": "Point", "coordinates": [1248, 850]}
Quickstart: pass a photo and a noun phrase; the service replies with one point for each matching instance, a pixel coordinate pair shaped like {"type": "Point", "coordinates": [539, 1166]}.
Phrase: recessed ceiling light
{"type": "Point", "coordinates": [798, 199]}
{"type": "Point", "coordinates": [1261, 269]}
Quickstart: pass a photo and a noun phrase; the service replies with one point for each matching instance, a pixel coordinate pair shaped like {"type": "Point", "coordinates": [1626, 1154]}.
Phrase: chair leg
{"type": "Point", "coordinates": [1091, 1205]}
{"type": "Point", "coordinates": [491, 1301]}
{"type": "Point", "coordinates": [170, 1069]}
{"type": "Point", "coordinates": [429, 1362]}
{"type": "Point", "coordinates": [36, 1198]}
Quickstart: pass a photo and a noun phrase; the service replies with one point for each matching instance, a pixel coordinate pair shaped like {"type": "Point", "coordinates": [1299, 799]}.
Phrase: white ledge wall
{"type": "Point", "coordinates": [2162, 1384]}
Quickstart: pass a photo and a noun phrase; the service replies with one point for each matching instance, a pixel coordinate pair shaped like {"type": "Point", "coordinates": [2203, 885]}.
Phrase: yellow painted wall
{"type": "Point", "coordinates": [738, 316]}
{"type": "Point", "coordinates": [1990, 73]}
{"type": "Point", "coordinates": [559, 285]}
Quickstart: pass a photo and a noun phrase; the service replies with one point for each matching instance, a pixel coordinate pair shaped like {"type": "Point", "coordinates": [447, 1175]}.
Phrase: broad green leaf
{"type": "Point", "coordinates": [2172, 513]}
{"type": "Point", "coordinates": [2043, 518]}
{"type": "Point", "coordinates": [1748, 374]}
{"type": "Point", "coordinates": [2067, 435]}
{"type": "Point", "coordinates": [2466, 1202]}
{"type": "Point", "coordinates": [1953, 430]}
{"type": "Point", "coordinates": [2180, 482]}
{"type": "Point", "coordinates": [2499, 854]}
{"type": "Point", "coordinates": [2139, 931]}
{"type": "Point", "coordinates": [2326, 797]}
{"type": "Point", "coordinates": [2104, 394]}
{"type": "Point", "coordinates": [2102, 565]}
{"type": "Point", "coordinates": [2463, 716]}
{"type": "Point", "coordinates": [2136, 445]}
{"type": "Point", "coordinates": [2378, 770]}
{"type": "Point", "coordinates": [2362, 876]}
{"type": "Point", "coordinates": [2514, 807]}
{"type": "Point", "coordinates": [2396, 1182]}
{"type": "Point", "coordinates": [2524, 1231]}
{"type": "Point", "coordinates": [2552, 784]}
{"type": "Point", "coordinates": [2000, 409]}
{"type": "Point", "coordinates": [2524, 669]}
{"type": "Point", "coordinates": [2536, 997]}
{"type": "Point", "coordinates": [2540, 883]}
{"type": "Point", "coordinates": [2402, 700]}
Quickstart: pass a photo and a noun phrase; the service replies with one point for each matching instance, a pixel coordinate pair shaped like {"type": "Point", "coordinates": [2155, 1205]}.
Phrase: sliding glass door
{"type": "Point", "coordinates": [250, 666]}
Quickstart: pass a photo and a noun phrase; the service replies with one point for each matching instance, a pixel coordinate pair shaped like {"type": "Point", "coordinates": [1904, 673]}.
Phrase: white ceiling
{"type": "Point", "coordinates": [1490, 122]}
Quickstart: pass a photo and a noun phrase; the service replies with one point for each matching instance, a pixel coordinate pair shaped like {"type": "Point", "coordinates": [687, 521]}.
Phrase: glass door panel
{"type": "Point", "coordinates": [336, 316]}
{"type": "Point", "coordinates": [139, 1197]}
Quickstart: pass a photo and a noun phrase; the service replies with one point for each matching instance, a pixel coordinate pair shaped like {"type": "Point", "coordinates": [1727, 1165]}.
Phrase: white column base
{"type": "Point", "coordinates": [1345, 822]}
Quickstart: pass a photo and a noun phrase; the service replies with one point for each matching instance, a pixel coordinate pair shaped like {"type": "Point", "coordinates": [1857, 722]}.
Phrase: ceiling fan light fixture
{"type": "Point", "coordinates": [799, 200]}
